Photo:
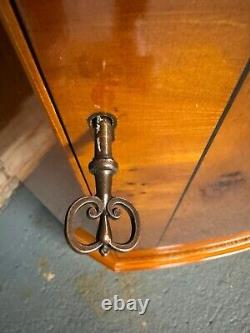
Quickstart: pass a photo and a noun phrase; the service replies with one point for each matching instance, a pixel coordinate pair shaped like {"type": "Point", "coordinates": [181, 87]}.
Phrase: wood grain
{"type": "Point", "coordinates": [166, 71]}
{"type": "Point", "coordinates": [217, 203]}
{"type": "Point", "coordinates": [168, 255]}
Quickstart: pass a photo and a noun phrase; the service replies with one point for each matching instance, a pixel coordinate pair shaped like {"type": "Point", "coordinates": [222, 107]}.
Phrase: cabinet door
{"type": "Point", "coordinates": [217, 202]}
{"type": "Point", "coordinates": [165, 69]}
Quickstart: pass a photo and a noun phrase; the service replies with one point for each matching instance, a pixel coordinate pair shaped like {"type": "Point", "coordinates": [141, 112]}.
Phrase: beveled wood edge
{"type": "Point", "coordinates": [171, 256]}
{"type": "Point", "coordinates": [176, 255]}
{"type": "Point", "coordinates": [11, 25]}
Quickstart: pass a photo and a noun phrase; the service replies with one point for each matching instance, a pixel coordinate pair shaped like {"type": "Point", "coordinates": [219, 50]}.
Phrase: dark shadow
{"type": "Point", "coordinates": [14, 86]}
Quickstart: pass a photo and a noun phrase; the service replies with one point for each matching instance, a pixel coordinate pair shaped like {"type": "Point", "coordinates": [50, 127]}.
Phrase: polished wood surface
{"type": "Point", "coordinates": [171, 256]}
{"type": "Point", "coordinates": [165, 256]}
{"type": "Point", "coordinates": [165, 69]}
{"type": "Point", "coordinates": [217, 203]}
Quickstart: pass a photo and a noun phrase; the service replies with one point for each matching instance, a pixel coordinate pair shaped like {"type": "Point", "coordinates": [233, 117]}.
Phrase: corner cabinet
{"type": "Point", "coordinates": [175, 76]}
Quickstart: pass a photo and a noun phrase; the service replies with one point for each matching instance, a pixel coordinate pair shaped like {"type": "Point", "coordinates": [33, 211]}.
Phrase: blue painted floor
{"type": "Point", "coordinates": [46, 287]}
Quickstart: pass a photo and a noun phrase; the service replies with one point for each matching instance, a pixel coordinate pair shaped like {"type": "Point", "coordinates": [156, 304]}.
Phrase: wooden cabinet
{"type": "Point", "coordinates": [175, 75]}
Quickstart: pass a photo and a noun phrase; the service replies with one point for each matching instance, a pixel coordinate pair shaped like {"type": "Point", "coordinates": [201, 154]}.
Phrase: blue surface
{"type": "Point", "coordinates": [46, 287]}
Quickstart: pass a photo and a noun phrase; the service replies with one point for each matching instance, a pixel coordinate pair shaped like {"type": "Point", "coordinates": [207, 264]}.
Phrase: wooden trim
{"type": "Point", "coordinates": [169, 256]}
{"type": "Point", "coordinates": [12, 27]}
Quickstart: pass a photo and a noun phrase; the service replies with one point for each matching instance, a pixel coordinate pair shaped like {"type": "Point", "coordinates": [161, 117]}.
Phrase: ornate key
{"type": "Point", "coordinates": [103, 206]}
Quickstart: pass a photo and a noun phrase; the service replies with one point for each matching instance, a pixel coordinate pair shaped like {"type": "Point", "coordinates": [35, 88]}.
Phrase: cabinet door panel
{"type": "Point", "coordinates": [217, 203]}
{"type": "Point", "coordinates": [165, 69]}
